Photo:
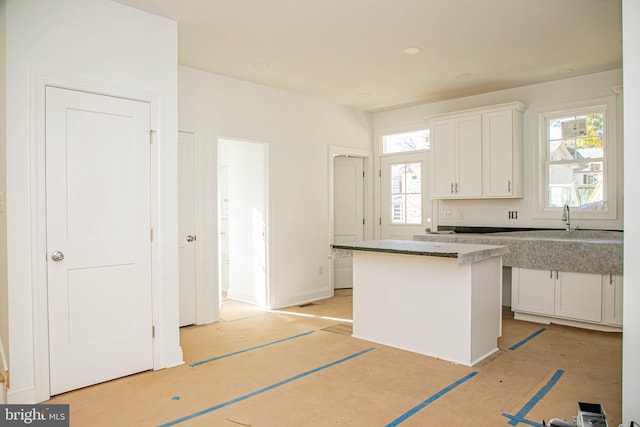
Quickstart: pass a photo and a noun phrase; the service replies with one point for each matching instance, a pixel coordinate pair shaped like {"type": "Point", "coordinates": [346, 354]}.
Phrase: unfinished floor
{"type": "Point", "coordinates": [300, 367]}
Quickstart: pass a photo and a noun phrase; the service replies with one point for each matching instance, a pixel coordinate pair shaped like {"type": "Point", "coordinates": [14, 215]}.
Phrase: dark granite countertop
{"type": "Point", "coordinates": [465, 253]}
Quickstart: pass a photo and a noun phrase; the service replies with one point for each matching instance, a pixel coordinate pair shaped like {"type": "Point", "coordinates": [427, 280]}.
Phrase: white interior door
{"type": "Point", "coordinates": [98, 238]}
{"type": "Point", "coordinates": [348, 213]}
{"type": "Point", "coordinates": [405, 200]}
{"type": "Point", "coordinates": [186, 228]}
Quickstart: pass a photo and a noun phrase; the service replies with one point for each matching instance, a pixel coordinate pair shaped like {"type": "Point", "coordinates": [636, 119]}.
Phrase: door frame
{"type": "Point", "coordinates": [38, 264]}
{"type": "Point", "coordinates": [367, 160]}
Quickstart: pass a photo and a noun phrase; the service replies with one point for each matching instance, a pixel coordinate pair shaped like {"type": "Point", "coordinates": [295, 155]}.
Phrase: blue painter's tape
{"type": "Point", "coordinates": [202, 362]}
{"type": "Point", "coordinates": [535, 399]}
{"type": "Point", "coordinates": [527, 339]}
{"type": "Point", "coordinates": [263, 390]}
{"type": "Point", "coordinates": [436, 396]}
{"type": "Point", "coordinates": [523, 421]}
{"type": "Point", "coordinates": [175, 398]}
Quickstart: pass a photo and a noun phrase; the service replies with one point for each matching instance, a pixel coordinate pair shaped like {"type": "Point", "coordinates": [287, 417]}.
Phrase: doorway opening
{"type": "Point", "coordinates": [349, 198]}
{"type": "Point", "coordinates": [242, 213]}
{"type": "Point", "coordinates": [348, 213]}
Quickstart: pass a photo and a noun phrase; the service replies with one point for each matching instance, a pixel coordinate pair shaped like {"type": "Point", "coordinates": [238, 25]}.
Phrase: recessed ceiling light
{"type": "Point", "coordinates": [411, 50]}
{"type": "Point", "coordinates": [463, 76]}
{"type": "Point", "coordinates": [564, 71]}
{"type": "Point", "coordinates": [363, 95]}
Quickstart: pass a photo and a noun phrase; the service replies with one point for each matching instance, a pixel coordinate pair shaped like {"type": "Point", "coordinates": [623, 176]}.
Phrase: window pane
{"type": "Point", "coordinates": [413, 177]}
{"type": "Point", "coordinates": [406, 193]}
{"type": "Point", "coordinates": [414, 208]}
{"type": "Point", "coordinates": [397, 210]}
{"type": "Point", "coordinates": [397, 178]}
{"type": "Point", "coordinates": [403, 142]}
{"type": "Point", "coordinates": [578, 183]}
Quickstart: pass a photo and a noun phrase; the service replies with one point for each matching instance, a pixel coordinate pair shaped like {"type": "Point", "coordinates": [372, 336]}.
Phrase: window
{"type": "Point", "coordinates": [577, 148]}
{"type": "Point", "coordinates": [405, 204]}
{"type": "Point", "coordinates": [404, 142]}
{"type": "Point", "coordinates": [406, 193]}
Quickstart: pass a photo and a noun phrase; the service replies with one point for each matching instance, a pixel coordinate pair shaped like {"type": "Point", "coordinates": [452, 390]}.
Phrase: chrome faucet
{"type": "Point", "coordinates": [566, 216]}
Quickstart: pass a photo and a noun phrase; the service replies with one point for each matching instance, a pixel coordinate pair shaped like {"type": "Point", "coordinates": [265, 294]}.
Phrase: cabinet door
{"type": "Point", "coordinates": [613, 299]}
{"type": "Point", "coordinates": [442, 158]}
{"type": "Point", "coordinates": [498, 151]}
{"type": "Point", "coordinates": [469, 157]}
{"type": "Point", "coordinates": [579, 296]}
{"type": "Point", "coordinates": [533, 291]}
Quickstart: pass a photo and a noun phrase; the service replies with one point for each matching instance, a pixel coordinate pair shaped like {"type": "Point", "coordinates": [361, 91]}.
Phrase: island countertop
{"type": "Point", "coordinates": [464, 252]}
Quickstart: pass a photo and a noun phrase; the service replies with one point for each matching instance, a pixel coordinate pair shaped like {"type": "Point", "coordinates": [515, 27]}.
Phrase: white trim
{"type": "Point", "coordinates": [39, 82]}
{"type": "Point", "coordinates": [540, 114]}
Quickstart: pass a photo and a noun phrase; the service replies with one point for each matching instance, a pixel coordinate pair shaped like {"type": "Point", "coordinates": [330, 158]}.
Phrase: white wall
{"type": "Point", "coordinates": [299, 131]}
{"type": "Point", "coordinates": [495, 212]}
{"type": "Point", "coordinates": [631, 334]}
{"type": "Point", "coordinates": [4, 290]}
{"type": "Point", "coordinates": [97, 45]}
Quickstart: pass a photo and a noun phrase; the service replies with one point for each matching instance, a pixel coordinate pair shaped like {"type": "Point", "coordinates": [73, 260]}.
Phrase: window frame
{"type": "Point", "coordinates": [421, 150]}
{"type": "Point", "coordinates": [606, 105]}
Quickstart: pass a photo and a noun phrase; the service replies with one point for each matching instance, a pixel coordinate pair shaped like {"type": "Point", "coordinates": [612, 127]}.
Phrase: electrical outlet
{"type": "Point", "coordinates": [513, 214]}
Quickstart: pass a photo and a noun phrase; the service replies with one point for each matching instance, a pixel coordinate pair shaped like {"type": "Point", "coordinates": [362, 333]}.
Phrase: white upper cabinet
{"type": "Point", "coordinates": [457, 172]}
{"type": "Point", "coordinates": [477, 153]}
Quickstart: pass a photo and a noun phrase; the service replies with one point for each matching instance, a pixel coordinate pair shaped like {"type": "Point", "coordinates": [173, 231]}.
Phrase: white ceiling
{"type": "Point", "coordinates": [349, 52]}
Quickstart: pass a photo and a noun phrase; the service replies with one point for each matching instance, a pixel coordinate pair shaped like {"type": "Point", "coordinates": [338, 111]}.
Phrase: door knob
{"type": "Point", "coordinates": [57, 256]}
{"type": "Point", "coordinates": [191, 238]}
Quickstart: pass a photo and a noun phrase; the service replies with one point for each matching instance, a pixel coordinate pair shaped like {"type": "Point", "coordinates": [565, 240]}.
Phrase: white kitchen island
{"type": "Point", "coordinates": [438, 299]}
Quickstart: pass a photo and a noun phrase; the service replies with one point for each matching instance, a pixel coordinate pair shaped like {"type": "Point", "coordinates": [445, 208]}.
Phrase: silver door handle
{"type": "Point", "coordinates": [191, 238]}
{"type": "Point", "coordinates": [57, 256]}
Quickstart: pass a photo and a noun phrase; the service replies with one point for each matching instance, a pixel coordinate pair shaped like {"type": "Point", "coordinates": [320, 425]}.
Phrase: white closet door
{"type": "Point", "coordinates": [98, 238]}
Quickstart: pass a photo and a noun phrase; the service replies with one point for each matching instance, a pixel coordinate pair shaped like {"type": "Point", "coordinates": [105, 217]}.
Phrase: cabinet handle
{"type": "Point", "coordinates": [557, 274]}
{"type": "Point", "coordinates": [452, 188]}
{"type": "Point", "coordinates": [509, 186]}
{"type": "Point", "coordinates": [456, 187]}
{"type": "Point", "coordinates": [550, 274]}
{"type": "Point", "coordinates": [611, 279]}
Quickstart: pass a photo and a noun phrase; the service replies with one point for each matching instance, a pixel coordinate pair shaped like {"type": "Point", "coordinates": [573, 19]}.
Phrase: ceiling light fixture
{"type": "Point", "coordinates": [411, 50]}
{"type": "Point", "coordinates": [564, 71]}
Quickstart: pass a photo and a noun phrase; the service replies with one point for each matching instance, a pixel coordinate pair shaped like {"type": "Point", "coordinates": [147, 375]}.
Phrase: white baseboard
{"type": "Point", "coordinates": [174, 357]}
{"type": "Point", "coordinates": [24, 396]}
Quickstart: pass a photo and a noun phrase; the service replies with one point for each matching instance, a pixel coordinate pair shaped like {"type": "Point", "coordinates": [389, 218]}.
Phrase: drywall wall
{"type": "Point", "coordinates": [631, 336]}
{"type": "Point", "coordinates": [95, 45]}
{"type": "Point", "coordinates": [4, 289]}
{"type": "Point", "coordinates": [298, 131]}
{"type": "Point", "coordinates": [495, 212]}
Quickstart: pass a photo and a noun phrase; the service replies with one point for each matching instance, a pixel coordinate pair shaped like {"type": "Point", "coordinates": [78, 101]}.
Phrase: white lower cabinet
{"type": "Point", "coordinates": [579, 296]}
{"type": "Point", "coordinates": [533, 291]}
{"type": "Point", "coordinates": [612, 285]}
{"type": "Point", "coordinates": [577, 299]}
